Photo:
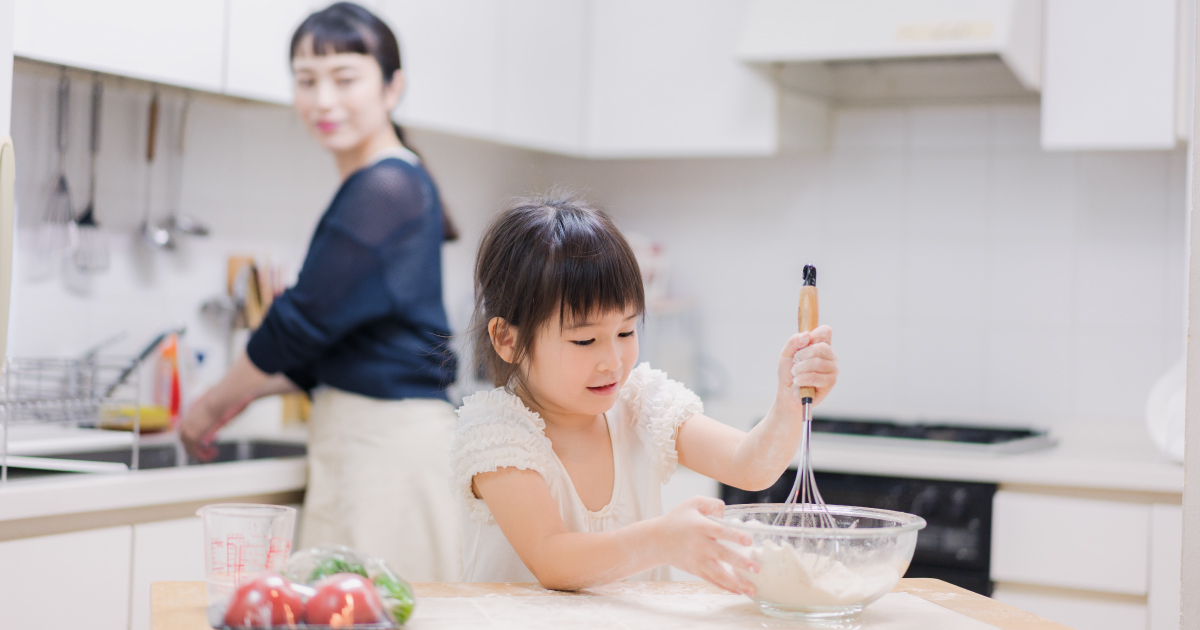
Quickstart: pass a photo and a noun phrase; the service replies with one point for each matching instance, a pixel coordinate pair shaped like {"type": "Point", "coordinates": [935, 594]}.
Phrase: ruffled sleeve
{"type": "Point", "coordinates": [659, 405]}
{"type": "Point", "coordinates": [495, 430]}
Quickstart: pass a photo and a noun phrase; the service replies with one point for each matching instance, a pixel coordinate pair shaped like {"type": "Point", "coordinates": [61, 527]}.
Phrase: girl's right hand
{"type": "Point", "coordinates": [689, 541]}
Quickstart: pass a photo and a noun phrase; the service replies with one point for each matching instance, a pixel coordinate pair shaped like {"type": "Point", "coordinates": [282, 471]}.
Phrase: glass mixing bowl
{"type": "Point", "coordinates": [817, 573]}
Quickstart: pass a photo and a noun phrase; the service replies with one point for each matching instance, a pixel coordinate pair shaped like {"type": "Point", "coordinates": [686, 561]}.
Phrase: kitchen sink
{"type": "Point", "coordinates": [171, 454]}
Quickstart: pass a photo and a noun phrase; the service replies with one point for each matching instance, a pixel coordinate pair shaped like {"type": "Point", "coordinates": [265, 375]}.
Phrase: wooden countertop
{"type": "Point", "coordinates": [180, 605]}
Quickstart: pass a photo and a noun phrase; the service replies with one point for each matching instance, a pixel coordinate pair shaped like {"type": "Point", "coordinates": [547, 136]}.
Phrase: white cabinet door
{"type": "Point", "coordinates": [260, 32]}
{"type": "Point", "coordinates": [448, 50]}
{"type": "Point", "coordinates": [1166, 564]}
{"type": "Point", "coordinates": [179, 43]}
{"type": "Point", "coordinates": [93, 565]}
{"type": "Point", "coordinates": [1075, 611]}
{"type": "Point", "coordinates": [1109, 74]}
{"type": "Point", "coordinates": [664, 82]}
{"type": "Point", "coordinates": [1070, 542]}
{"type": "Point", "coordinates": [163, 551]}
{"type": "Point", "coordinates": [543, 73]}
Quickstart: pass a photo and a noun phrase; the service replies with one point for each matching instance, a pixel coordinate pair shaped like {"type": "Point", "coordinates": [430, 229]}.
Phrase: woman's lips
{"type": "Point", "coordinates": [326, 127]}
{"type": "Point", "coordinates": [604, 390]}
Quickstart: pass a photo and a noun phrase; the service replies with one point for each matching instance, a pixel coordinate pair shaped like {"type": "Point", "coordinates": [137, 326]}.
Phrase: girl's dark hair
{"type": "Point", "coordinates": [545, 256]}
{"type": "Point", "coordinates": [345, 27]}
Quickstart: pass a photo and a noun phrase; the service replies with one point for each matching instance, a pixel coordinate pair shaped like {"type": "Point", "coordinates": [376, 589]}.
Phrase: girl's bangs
{"type": "Point", "coordinates": [602, 279]}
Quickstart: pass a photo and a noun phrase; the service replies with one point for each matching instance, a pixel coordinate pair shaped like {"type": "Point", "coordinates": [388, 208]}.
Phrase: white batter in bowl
{"type": "Point", "coordinates": [823, 573]}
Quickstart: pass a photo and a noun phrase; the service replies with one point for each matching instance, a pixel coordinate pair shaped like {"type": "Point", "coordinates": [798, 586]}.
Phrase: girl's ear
{"type": "Point", "coordinates": [504, 338]}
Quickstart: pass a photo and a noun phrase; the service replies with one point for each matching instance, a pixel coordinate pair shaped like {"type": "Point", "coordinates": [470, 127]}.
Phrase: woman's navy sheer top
{"type": "Point", "coordinates": [366, 313]}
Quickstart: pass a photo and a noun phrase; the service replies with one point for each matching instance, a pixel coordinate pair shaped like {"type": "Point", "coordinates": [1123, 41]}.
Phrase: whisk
{"type": "Point", "coordinates": [813, 512]}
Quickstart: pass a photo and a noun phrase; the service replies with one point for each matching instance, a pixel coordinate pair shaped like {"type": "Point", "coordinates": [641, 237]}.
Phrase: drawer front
{"type": "Point", "coordinates": [1075, 611]}
{"type": "Point", "coordinates": [1070, 542]}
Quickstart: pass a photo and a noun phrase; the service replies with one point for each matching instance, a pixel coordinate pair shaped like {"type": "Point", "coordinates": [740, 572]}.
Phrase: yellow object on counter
{"type": "Point", "coordinates": [152, 418]}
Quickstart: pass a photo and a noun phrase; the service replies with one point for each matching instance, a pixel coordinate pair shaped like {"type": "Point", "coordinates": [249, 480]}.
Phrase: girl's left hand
{"type": "Point", "coordinates": [807, 360]}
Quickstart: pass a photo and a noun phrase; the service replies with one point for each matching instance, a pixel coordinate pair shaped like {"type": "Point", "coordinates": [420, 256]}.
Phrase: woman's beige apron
{"type": "Point", "coordinates": [377, 482]}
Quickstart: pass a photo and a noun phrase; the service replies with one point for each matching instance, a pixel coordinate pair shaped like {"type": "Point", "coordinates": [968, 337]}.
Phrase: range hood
{"type": "Point", "coordinates": [889, 51]}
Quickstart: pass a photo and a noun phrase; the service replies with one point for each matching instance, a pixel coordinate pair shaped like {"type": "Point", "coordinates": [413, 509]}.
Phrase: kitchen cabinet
{"type": "Point", "coordinates": [164, 551]}
{"type": "Point", "coordinates": [95, 565]}
{"type": "Point", "coordinates": [1086, 562]}
{"type": "Point", "coordinates": [1166, 564]}
{"type": "Point", "coordinates": [544, 74]}
{"type": "Point", "coordinates": [1109, 75]}
{"type": "Point", "coordinates": [177, 43]}
{"type": "Point", "coordinates": [258, 46]}
{"type": "Point", "coordinates": [1076, 610]}
{"type": "Point", "coordinates": [1070, 542]}
{"type": "Point", "coordinates": [664, 81]}
{"type": "Point", "coordinates": [451, 69]}
{"type": "Point", "coordinates": [260, 32]}
{"type": "Point", "coordinates": [618, 78]}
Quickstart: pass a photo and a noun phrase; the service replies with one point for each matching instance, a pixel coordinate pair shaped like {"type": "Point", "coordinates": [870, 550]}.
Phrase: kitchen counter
{"type": "Point", "coordinates": [74, 502]}
{"type": "Point", "coordinates": [1104, 458]}
{"type": "Point", "coordinates": [915, 603]}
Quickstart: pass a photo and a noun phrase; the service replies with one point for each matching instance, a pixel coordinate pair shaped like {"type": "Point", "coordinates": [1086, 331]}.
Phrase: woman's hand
{"type": "Point", "coordinates": [200, 424]}
{"type": "Point", "coordinates": [243, 384]}
{"type": "Point", "coordinates": [807, 360]}
{"type": "Point", "coordinates": [688, 539]}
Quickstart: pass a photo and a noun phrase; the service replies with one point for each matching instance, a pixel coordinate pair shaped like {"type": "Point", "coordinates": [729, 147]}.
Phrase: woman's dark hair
{"type": "Point", "coordinates": [345, 27]}
{"type": "Point", "coordinates": [545, 256]}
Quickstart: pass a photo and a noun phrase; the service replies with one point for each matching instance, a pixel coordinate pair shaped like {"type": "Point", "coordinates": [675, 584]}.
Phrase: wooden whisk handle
{"type": "Point", "coordinates": [808, 316]}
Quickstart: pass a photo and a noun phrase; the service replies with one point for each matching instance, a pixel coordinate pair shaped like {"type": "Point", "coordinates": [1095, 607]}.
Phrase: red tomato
{"type": "Point", "coordinates": [267, 601]}
{"type": "Point", "coordinates": [343, 600]}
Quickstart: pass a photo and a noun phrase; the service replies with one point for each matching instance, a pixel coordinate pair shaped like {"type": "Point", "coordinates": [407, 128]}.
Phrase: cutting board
{"type": "Point", "coordinates": [915, 604]}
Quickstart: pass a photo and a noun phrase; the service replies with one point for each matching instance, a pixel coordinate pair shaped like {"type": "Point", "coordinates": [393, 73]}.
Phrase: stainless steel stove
{"type": "Point", "coordinates": [969, 438]}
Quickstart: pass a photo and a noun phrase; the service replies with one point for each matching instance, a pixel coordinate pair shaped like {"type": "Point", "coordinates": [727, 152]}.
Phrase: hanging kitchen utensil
{"type": "Point", "coordinates": [805, 487]}
{"type": "Point", "coordinates": [52, 235]}
{"type": "Point", "coordinates": [175, 222]}
{"type": "Point", "coordinates": [152, 233]}
{"type": "Point", "coordinates": [91, 248]}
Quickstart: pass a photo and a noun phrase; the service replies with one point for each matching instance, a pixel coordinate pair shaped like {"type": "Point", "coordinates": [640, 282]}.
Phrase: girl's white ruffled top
{"type": "Point", "coordinates": [496, 430]}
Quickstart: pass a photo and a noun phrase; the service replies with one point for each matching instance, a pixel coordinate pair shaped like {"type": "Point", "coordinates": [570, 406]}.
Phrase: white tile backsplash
{"type": "Point", "coordinates": [942, 371]}
{"type": "Point", "coordinates": [1033, 194]}
{"type": "Point", "coordinates": [1030, 281]}
{"type": "Point", "coordinates": [945, 280]}
{"type": "Point", "coordinates": [858, 130]}
{"type": "Point", "coordinates": [961, 127]}
{"type": "Point", "coordinates": [969, 275]}
{"type": "Point", "coordinates": [948, 194]}
{"type": "Point", "coordinates": [1027, 372]}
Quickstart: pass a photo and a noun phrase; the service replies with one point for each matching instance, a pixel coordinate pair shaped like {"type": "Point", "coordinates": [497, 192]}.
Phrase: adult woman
{"type": "Point", "coordinates": [364, 328]}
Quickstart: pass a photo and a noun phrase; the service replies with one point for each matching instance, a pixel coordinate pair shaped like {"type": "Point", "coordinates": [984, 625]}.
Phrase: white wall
{"type": "Point", "coordinates": [968, 275]}
{"type": "Point", "coordinates": [250, 172]}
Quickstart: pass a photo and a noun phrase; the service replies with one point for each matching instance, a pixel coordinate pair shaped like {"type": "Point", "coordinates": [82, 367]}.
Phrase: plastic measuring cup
{"type": "Point", "coordinates": [242, 540]}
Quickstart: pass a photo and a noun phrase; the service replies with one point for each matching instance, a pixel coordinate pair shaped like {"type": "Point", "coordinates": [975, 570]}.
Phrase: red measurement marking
{"type": "Point", "coordinates": [278, 553]}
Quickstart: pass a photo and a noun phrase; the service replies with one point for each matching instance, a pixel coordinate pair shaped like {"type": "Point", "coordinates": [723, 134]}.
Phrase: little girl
{"type": "Point", "coordinates": [560, 468]}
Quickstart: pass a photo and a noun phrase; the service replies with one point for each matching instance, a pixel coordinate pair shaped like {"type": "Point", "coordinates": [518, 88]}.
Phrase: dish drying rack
{"type": "Point", "coordinates": [92, 393]}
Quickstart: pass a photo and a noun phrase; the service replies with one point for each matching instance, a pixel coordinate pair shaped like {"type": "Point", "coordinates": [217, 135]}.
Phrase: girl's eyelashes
{"type": "Point", "coordinates": [588, 342]}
